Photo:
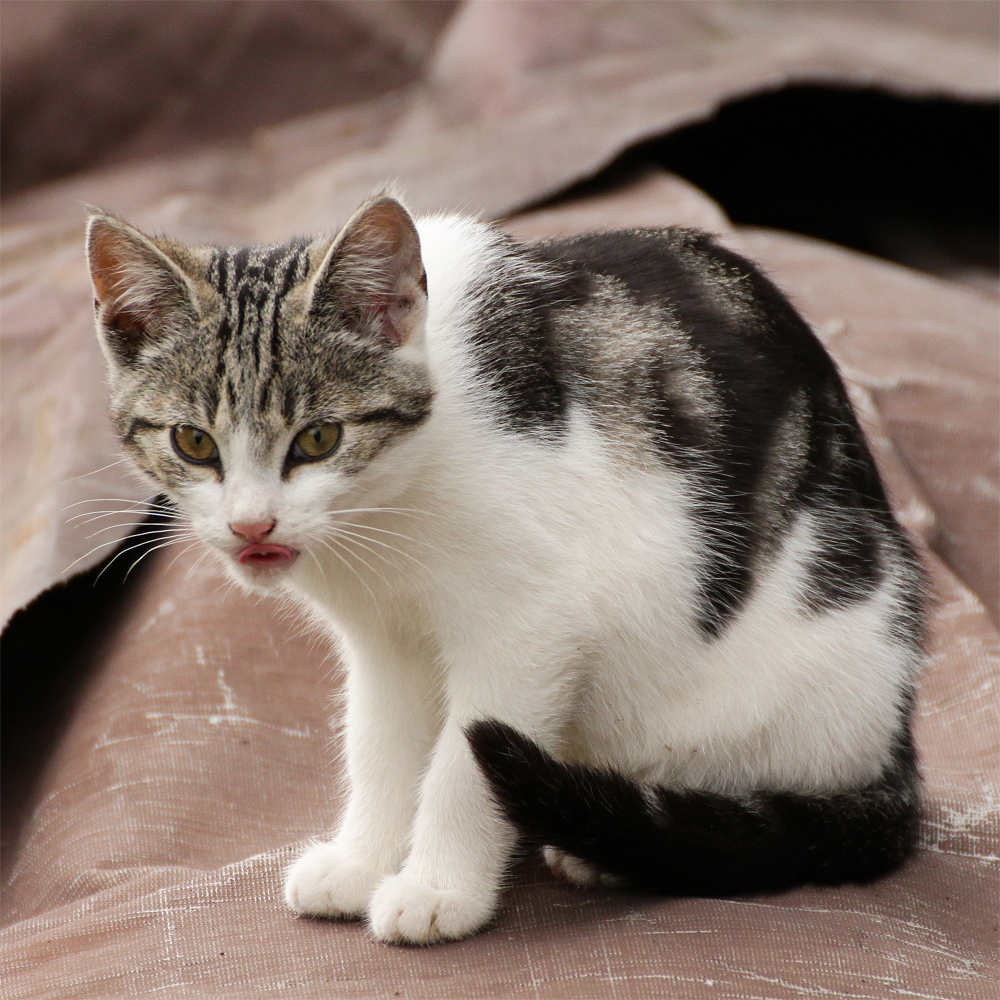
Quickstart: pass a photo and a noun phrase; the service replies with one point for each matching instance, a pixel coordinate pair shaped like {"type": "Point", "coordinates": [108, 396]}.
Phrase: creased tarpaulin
{"type": "Point", "coordinates": [198, 754]}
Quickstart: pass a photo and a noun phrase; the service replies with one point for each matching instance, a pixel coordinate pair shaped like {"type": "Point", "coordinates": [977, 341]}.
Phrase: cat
{"type": "Point", "coordinates": [595, 528]}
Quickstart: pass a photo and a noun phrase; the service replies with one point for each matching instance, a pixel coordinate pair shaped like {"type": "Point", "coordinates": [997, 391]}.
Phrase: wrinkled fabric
{"type": "Point", "coordinates": [199, 753]}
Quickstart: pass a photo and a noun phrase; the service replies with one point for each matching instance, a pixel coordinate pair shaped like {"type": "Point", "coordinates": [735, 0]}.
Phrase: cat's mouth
{"type": "Point", "coordinates": [267, 556]}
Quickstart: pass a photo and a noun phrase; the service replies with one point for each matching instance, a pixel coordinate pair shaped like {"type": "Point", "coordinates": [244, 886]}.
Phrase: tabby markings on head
{"type": "Point", "coordinates": [253, 283]}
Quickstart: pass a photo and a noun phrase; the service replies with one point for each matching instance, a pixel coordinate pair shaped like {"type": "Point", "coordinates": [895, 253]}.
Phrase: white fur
{"type": "Point", "coordinates": [551, 587]}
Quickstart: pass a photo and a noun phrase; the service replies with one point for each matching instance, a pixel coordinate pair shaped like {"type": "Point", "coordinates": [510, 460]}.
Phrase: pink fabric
{"type": "Point", "coordinates": [198, 754]}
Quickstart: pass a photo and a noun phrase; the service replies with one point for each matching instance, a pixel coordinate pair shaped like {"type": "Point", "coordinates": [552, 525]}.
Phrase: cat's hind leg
{"type": "Point", "coordinates": [575, 870]}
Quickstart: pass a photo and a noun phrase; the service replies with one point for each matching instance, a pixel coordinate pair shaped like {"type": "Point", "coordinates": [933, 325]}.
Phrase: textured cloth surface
{"type": "Point", "coordinates": [198, 754]}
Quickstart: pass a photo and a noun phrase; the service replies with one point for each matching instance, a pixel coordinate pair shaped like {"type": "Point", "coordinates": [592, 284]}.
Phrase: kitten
{"type": "Point", "coordinates": [595, 527]}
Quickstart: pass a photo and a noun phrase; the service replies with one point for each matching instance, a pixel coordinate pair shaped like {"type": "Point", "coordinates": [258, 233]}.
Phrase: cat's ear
{"type": "Point", "coordinates": [138, 289]}
{"type": "Point", "coordinates": [373, 277]}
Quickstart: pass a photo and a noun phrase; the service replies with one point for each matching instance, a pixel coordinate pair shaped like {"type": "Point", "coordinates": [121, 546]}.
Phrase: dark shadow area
{"type": "Point", "coordinates": [913, 180]}
{"type": "Point", "coordinates": [47, 651]}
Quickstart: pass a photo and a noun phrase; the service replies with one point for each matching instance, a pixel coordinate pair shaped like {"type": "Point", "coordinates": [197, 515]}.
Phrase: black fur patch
{"type": "Point", "coordinates": [761, 357]}
{"type": "Point", "coordinates": [847, 567]}
{"type": "Point", "coordinates": [390, 414]}
{"type": "Point", "coordinates": [695, 843]}
{"type": "Point", "coordinates": [513, 345]}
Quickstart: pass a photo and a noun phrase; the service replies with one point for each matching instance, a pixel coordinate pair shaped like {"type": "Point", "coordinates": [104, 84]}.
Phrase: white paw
{"type": "Point", "coordinates": [329, 880]}
{"type": "Point", "coordinates": [575, 870]}
{"type": "Point", "coordinates": [405, 910]}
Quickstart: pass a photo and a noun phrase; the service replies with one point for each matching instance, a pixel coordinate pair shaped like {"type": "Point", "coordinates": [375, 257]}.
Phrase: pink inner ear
{"type": "Point", "coordinates": [105, 262]}
{"type": "Point", "coordinates": [136, 285]}
{"type": "Point", "coordinates": [127, 321]}
{"type": "Point", "coordinates": [391, 312]}
{"type": "Point", "coordinates": [110, 255]}
{"type": "Point", "coordinates": [374, 270]}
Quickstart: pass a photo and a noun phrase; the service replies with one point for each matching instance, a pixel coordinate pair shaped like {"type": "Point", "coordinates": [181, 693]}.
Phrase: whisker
{"type": "Point", "coordinates": [146, 537]}
{"type": "Point", "coordinates": [114, 510]}
{"type": "Point", "coordinates": [149, 552]}
{"type": "Point", "coordinates": [110, 465]}
{"type": "Point", "coordinates": [361, 558]}
{"type": "Point", "coordinates": [96, 548]}
{"type": "Point", "coordinates": [385, 531]}
{"type": "Point", "coordinates": [96, 515]}
{"type": "Point", "coordinates": [349, 538]}
{"type": "Point", "coordinates": [383, 510]}
{"type": "Point", "coordinates": [131, 548]}
{"type": "Point", "coordinates": [120, 524]}
{"type": "Point", "coordinates": [319, 565]}
{"type": "Point", "coordinates": [197, 563]}
{"type": "Point", "coordinates": [139, 545]}
{"type": "Point", "coordinates": [148, 503]}
{"type": "Point", "coordinates": [377, 541]}
{"type": "Point", "coordinates": [136, 524]}
{"type": "Point", "coordinates": [353, 569]}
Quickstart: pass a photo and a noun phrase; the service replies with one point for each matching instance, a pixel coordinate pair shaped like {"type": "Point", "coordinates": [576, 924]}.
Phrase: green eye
{"type": "Point", "coordinates": [316, 441]}
{"type": "Point", "coordinates": [193, 444]}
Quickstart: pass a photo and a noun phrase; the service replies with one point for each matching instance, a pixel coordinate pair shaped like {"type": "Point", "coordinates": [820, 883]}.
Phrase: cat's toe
{"type": "Point", "coordinates": [575, 870]}
{"type": "Point", "coordinates": [330, 881]}
{"type": "Point", "coordinates": [405, 910]}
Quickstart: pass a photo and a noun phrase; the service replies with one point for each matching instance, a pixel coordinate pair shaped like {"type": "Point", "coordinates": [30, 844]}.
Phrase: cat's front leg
{"type": "Point", "coordinates": [389, 729]}
{"type": "Point", "coordinates": [449, 886]}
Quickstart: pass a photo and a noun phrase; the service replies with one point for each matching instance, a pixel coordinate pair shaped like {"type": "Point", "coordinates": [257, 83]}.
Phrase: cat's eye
{"type": "Point", "coordinates": [193, 444]}
{"type": "Point", "coordinates": [316, 442]}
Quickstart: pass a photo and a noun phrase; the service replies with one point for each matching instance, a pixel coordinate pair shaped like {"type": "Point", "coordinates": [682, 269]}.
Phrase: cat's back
{"type": "Point", "coordinates": [666, 323]}
{"type": "Point", "coordinates": [682, 355]}
{"type": "Point", "coordinates": [687, 304]}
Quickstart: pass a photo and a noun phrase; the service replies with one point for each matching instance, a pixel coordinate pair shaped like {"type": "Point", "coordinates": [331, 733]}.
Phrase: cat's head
{"type": "Point", "coordinates": [264, 389]}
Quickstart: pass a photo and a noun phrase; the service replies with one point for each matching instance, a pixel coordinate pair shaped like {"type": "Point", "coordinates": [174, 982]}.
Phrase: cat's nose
{"type": "Point", "coordinates": [253, 531]}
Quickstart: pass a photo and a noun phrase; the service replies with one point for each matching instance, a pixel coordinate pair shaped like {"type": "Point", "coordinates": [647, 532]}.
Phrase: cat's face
{"type": "Point", "coordinates": [264, 390]}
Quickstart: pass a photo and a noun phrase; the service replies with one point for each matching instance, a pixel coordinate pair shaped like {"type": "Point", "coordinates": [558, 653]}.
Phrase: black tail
{"type": "Point", "coordinates": [692, 843]}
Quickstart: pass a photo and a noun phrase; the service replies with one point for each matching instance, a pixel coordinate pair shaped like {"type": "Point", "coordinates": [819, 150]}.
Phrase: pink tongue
{"type": "Point", "coordinates": [265, 555]}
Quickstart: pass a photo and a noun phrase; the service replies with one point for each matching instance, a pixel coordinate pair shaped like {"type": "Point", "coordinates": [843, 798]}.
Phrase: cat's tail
{"type": "Point", "coordinates": [696, 843]}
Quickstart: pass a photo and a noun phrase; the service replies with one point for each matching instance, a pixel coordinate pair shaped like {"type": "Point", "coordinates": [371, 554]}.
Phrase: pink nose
{"type": "Point", "coordinates": [254, 532]}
